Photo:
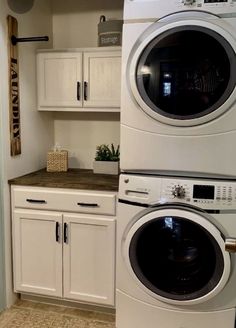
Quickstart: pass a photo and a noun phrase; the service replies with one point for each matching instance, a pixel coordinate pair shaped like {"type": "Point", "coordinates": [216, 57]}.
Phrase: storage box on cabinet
{"type": "Point", "coordinates": [61, 254]}
{"type": "Point", "coordinates": [79, 80]}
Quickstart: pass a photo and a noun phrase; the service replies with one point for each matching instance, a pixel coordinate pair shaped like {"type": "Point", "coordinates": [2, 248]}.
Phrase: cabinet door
{"type": "Point", "coordinates": [59, 80]}
{"type": "Point", "coordinates": [89, 259]}
{"type": "Point", "coordinates": [37, 252]}
{"type": "Point", "coordinates": [102, 79]}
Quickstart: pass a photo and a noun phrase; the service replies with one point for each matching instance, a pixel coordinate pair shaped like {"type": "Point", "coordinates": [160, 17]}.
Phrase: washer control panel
{"type": "Point", "coordinates": [202, 192]}
{"type": "Point", "coordinates": [205, 193]}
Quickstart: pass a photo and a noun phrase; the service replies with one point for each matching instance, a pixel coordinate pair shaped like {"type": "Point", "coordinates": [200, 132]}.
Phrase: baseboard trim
{"type": "Point", "coordinates": [53, 301]}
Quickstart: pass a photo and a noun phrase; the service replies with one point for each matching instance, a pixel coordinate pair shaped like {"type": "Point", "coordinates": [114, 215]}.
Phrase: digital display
{"type": "Point", "coordinates": [203, 192]}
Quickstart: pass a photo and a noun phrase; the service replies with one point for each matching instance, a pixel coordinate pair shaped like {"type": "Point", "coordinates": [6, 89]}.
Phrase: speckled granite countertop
{"type": "Point", "coordinates": [73, 178]}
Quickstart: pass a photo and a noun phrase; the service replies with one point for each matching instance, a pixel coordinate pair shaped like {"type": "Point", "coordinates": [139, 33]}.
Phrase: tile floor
{"type": "Point", "coordinates": [26, 314]}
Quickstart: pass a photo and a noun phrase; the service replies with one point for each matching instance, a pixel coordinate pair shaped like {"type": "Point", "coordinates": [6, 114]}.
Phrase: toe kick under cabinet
{"type": "Point", "coordinates": [79, 80]}
{"type": "Point", "coordinates": [64, 243]}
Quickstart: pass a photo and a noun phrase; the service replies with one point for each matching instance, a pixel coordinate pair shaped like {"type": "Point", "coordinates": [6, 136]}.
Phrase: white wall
{"type": "Point", "coordinates": [75, 25]}
{"type": "Point", "coordinates": [75, 21]}
{"type": "Point", "coordinates": [36, 128]}
{"type": "Point", "coordinates": [81, 132]}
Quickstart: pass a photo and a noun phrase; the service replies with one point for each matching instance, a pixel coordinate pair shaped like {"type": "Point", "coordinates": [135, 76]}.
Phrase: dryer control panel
{"type": "Point", "coordinates": [156, 9]}
{"type": "Point", "coordinates": [206, 3]}
{"type": "Point", "coordinates": [205, 193]}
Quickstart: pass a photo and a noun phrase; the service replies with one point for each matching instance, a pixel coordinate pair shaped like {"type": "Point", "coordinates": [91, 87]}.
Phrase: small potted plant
{"type": "Point", "coordinates": [107, 159]}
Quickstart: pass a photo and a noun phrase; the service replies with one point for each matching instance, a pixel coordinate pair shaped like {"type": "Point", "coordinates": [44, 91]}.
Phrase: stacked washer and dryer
{"type": "Point", "coordinates": [176, 226]}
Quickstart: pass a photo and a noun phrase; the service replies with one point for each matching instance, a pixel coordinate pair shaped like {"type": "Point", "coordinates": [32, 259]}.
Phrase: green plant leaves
{"type": "Point", "coordinates": [106, 153]}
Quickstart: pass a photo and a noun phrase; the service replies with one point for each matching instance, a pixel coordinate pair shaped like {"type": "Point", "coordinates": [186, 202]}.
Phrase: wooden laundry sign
{"type": "Point", "coordinates": [14, 96]}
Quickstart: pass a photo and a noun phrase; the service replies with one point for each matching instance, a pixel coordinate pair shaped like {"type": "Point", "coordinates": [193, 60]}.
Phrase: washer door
{"type": "Point", "coordinates": [183, 71]}
{"type": "Point", "coordinates": [177, 255]}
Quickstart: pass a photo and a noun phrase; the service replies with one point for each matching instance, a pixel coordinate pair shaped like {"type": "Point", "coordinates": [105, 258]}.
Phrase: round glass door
{"type": "Point", "coordinates": [177, 258]}
{"type": "Point", "coordinates": [186, 72]}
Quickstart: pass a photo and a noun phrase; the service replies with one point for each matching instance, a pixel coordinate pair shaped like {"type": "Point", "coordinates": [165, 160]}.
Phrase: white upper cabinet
{"type": "Point", "coordinates": [79, 80]}
{"type": "Point", "coordinates": [102, 80]}
{"type": "Point", "coordinates": [59, 80]}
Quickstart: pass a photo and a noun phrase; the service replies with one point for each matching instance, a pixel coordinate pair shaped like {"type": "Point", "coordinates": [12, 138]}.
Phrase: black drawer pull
{"type": "Point", "coordinates": [65, 233]}
{"type": "Point", "coordinates": [88, 204]}
{"type": "Point", "coordinates": [38, 201]}
{"type": "Point", "coordinates": [57, 231]}
{"type": "Point", "coordinates": [78, 90]}
{"type": "Point", "coordinates": [85, 91]}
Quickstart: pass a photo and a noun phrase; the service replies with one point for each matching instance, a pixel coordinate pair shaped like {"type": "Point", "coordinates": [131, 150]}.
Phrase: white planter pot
{"type": "Point", "coordinates": [106, 167]}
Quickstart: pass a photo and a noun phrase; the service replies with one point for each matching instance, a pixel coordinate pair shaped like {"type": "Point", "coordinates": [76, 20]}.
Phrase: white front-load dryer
{"type": "Point", "coordinates": [175, 252]}
{"type": "Point", "coordinates": [178, 109]}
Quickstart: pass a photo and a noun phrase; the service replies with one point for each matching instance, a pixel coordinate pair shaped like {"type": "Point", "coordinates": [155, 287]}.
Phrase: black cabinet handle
{"type": "Point", "coordinates": [88, 204]}
{"type": "Point", "coordinates": [65, 232]}
{"type": "Point", "coordinates": [57, 231]}
{"type": "Point", "coordinates": [85, 90]}
{"type": "Point", "coordinates": [78, 90]}
{"type": "Point", "coordinates": [38, 201]}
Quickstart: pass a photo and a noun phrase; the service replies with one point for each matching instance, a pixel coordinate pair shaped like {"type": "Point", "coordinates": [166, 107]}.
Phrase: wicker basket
{"type": "Point", "coordinates": [57, 161]}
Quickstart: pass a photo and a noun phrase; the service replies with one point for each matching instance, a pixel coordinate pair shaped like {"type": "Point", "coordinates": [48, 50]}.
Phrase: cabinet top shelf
{"type": "Point", "coordinates": [72, 179]}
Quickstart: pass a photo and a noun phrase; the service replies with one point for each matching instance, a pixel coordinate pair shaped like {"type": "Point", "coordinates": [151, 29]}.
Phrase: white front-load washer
{"type": "Point", "coordinates": [176, 244]}
{"type": "Point", "coordinates": [178, 98]}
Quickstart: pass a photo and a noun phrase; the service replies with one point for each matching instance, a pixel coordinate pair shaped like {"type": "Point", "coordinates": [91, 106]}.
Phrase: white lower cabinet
{"type": "Point", "coordinates": [65, 255]}
{"type": "Point", "coordinates": [89, 259]}
{"type": "Point", "coordinates": [37, 254]}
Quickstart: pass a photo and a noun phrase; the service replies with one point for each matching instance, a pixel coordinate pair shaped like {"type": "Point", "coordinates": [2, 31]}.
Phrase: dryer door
{"type": "Point", "coordinates": [183, 71]}
{"type": "Point", "coordinates": [177, 255]}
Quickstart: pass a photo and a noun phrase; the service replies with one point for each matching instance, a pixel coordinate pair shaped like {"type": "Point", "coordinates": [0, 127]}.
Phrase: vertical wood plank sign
{"type": "Point", "coordinates": [14, 96]}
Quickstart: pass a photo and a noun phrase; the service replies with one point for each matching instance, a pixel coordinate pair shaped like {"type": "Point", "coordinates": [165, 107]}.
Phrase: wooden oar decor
{"type": "Point", "coordinates": [14, 95]}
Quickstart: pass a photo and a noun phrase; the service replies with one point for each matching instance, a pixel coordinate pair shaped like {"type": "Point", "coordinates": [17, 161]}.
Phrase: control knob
{"type": "Point", "coordinates": [178, 191]}
{"type": "Point", "coordinates": [188, 2]}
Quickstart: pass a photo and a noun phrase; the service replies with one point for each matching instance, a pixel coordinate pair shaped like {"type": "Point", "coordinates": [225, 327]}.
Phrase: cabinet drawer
{"type": "Point", "coordinates": [64, 200]}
